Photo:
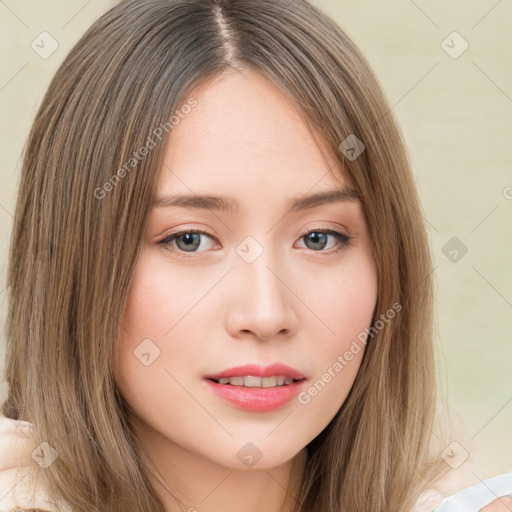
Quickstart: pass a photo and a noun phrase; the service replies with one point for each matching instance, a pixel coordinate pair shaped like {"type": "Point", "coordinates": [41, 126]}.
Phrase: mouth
{"type": "Point", "coordinates": [251, 381]}
{"type": "Point", "coordinates": [255, 388]}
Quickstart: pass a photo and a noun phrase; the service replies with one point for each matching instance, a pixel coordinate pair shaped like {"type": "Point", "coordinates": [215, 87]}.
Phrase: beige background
{"type": "Point", "coordinates": [456, 116]}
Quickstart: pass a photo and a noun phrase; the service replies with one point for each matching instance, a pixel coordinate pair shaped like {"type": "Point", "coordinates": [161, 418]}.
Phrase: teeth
{"type": "Point", "coordinates": [253, 382]}
{"type": "Point", "coordinates": [257, 382]}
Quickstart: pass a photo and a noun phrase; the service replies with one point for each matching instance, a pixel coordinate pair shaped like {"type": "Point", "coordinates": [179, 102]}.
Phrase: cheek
{"type": "Point", "coordinates": [344, 305]}
{"type": "Point", "coordinates": [341, 298]}
{"type": "Point", "coordinates": [155, 306]}
{"type": "Point", "coordinates": [152, 302]}
{"type": "Point", "coordinates": [145, 361]}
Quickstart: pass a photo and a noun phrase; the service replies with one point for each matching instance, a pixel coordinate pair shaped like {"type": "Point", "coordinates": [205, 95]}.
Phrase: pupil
{"type": "Point", "coordinates": [315, 237]}
{"type": "Point", "coordinates": [190, 240]}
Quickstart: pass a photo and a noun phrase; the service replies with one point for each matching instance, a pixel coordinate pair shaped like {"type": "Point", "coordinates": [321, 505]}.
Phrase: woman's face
{"type": "Point", "coordinates": [256, 289]}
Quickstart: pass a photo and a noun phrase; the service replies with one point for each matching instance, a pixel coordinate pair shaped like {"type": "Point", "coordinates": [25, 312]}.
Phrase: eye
{"type": "Point", "coordinates": [188, 241]}
{"type": "Point", "coordinates": [317, 240]}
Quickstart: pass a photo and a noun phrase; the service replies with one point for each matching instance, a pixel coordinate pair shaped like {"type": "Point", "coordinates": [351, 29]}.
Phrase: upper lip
{"type": "Point", "coordinates": [273, 370]}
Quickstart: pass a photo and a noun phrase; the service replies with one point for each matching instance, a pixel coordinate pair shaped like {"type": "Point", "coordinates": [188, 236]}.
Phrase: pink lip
{"type": "Point", "coordinates": [273, 370]}
{"type": "Point", "coordinates": [257, 399]}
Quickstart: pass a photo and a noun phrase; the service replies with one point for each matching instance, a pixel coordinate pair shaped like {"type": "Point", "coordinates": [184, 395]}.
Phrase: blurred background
{"type": "Point", "coordinates": [446, 69]}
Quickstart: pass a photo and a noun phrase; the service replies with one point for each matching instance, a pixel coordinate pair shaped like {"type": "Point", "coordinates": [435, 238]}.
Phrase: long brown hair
{"type": "Point", "coordinates": [80, 220]}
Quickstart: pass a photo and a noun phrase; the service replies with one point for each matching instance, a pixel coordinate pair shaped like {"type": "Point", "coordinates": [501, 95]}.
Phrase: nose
{"type": "Point", "coordinates": [262, 304]}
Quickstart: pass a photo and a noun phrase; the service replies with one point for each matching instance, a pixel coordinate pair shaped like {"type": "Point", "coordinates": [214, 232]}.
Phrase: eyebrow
{"type": "Point", "coordinates": [231, 205]}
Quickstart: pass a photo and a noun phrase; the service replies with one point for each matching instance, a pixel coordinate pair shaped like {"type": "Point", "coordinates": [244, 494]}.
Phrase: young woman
{"type": "Point", "coordinates": [219, 278]}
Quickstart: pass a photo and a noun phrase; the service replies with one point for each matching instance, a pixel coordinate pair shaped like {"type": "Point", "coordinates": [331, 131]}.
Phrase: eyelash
{"type": "Point", "coordinates": [342, 239]}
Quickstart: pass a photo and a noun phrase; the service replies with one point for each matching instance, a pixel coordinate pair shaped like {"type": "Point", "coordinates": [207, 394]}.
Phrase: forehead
{"type": "Point", "coordinates": [245, 136]}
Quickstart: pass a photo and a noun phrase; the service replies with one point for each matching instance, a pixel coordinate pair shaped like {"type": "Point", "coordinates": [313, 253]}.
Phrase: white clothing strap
{"type": "Point", "coordinates": [477, 496]}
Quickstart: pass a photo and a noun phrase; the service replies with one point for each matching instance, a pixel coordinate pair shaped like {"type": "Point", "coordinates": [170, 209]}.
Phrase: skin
{"type": "Point", "coordinates": [500, 505]}
{"type": "Point", "coordinates": [298, 303]}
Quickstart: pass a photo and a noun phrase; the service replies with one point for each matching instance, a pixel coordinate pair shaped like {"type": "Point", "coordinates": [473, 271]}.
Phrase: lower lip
{"type": "Point", "coordinates": [256, 399]}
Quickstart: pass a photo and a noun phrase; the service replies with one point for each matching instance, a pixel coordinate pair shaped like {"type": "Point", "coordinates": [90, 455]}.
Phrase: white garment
{"type": "Point", "coordinates": [479, 495]}
{"type": "Point", "coordinates": [463, 491]}
{"type": "Point", "coordinates": [20, 483]}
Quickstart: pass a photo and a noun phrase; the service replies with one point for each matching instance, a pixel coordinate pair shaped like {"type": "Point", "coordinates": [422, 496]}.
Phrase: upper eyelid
{"type": "Point", "coordinates": [341, 230]}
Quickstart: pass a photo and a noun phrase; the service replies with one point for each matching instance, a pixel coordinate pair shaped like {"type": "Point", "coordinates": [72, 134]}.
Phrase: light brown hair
{"type": "Point", "coordinates": [73, 254]}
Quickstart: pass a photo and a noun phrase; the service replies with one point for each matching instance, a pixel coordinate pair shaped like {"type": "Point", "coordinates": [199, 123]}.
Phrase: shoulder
{"type": "Point", "coordinates": [461, 489]}
{"type": "Point", "coordinates": [490, 495]}
{"type": "Point", "coordinates": [19, 485]}
{"type": "Point", "coordinates": [500, 505]}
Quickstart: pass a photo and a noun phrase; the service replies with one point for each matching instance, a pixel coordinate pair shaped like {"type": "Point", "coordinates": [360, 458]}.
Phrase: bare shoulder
{"type": "Point", "coordinates": [500, 505]}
